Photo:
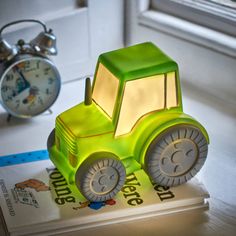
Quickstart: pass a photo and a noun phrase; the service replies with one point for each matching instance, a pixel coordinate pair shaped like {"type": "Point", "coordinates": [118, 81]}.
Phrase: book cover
{"type": "Point", "coordinates": [35, 199]}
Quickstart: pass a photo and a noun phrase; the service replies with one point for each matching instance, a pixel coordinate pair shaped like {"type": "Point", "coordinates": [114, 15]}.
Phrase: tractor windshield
{"type": "Point", "coordinates": [105, 89]}
{"type": "Point", "coordinates": [146, 95]}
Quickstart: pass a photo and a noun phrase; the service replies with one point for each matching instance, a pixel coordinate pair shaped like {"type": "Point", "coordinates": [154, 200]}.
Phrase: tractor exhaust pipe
{"type": "Point", "coordinates": [88, 92]}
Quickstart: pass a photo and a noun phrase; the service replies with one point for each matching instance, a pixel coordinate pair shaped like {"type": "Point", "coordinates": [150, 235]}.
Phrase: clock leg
{"type": "Point", "coordinates": [50, 111]}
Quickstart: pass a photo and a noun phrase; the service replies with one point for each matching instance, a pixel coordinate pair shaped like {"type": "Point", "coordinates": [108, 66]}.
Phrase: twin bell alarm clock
{"type": "Point", "coordinates": [29, 80]}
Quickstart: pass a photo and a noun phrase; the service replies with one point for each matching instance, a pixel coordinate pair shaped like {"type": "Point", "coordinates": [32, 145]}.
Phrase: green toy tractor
{"type": "Point", "coordinates": [131, 118]}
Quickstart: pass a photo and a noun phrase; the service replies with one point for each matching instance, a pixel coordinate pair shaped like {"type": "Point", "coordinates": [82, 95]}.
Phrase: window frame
{"type": "Point", "coordinates": [206, 13]}
{"type": "Point", "coordinates": [143, 16]}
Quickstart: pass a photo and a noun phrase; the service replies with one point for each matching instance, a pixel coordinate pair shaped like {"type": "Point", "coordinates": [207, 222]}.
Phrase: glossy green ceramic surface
{"type": "Point", "coordinates": [85, 131]}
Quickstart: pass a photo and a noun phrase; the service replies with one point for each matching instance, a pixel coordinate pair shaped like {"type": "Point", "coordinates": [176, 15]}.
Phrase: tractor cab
{"type": "Point", "coordinates": [130, 85]}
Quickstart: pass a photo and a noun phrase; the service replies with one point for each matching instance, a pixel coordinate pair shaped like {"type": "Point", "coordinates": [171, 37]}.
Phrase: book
{"type": "Point", "coordinates": [36, 200]}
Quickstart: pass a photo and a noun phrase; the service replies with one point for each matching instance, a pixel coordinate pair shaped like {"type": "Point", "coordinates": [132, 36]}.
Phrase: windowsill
{"type": "Point", "coordinates": [183, 29]}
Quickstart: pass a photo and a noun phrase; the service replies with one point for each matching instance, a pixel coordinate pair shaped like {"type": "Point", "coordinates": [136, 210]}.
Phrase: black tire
{"type": "Point", "coordinates": [176, 155]}
{"type": "Point", "coordinates": [51, 139]}
{"type": "Point", "coordinates": [100, 179]}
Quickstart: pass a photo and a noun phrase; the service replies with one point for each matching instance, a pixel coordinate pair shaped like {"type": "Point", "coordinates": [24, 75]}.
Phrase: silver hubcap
{"type": "Point", "coordinates": [104, 180]}
{"type": "Point", "coordinates": [178, 157]}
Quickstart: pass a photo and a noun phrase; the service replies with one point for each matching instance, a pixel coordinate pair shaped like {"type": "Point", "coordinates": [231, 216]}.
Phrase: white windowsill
{"type": "Point", "coordinates": [189, 31]}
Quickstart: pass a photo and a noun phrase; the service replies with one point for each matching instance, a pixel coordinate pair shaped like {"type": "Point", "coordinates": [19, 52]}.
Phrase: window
{"type": "Point", "coordinates": [171, 94]}
{"type": "Point", "coordinates": [229, 3]}
{"type": "Point", "coordinates": [140, 97]}
{"type": "Point", "coordinates": [219, 15]}
{"type": "Point", "coordinates": [105, 89]}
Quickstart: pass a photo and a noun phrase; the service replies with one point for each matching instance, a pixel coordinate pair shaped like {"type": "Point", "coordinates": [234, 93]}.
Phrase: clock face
{"type": "Point", "coordinates": [29, 87]}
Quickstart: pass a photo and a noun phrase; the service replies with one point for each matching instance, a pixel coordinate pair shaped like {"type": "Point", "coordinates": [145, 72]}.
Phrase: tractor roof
{"type": "Point", "coordinates": [138, 61]}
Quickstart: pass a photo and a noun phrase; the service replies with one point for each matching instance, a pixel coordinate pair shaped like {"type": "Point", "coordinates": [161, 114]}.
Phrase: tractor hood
{"type": "Point", "coordinates": [83, 121]}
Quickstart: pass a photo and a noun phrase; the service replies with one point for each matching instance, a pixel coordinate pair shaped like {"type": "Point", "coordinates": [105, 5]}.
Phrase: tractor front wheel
{"type": "Point", "coordinates": [100, 179]}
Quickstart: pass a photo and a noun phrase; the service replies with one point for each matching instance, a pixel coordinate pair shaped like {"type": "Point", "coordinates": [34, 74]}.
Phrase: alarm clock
{"type": "Point", "coordinates": [29, 80]}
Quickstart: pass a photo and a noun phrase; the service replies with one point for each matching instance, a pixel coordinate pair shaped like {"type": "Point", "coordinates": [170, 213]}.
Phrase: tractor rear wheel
{"type": "Point", "coordinates": [176, 155]}
{"type": "Point", "coordinates": [51, 139]}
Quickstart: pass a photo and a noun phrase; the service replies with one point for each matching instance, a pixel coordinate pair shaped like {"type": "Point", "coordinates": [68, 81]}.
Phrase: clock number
{"type": "Point", "coordinates": [27, 64]}
{"type": "Point", "coordinates": [50, 80]}
{"type": "Point", "coordinates": [37, 64]}
{"type": "Point", "coordinates": [14, 93]}
{"type": "Point", "coordinates": [46, 71]}
{"type": "Point", "coordinates": [9, 77]}
{"type": "Point", "coordinates": [4, 88]}
{"type": "Point", "coordinates": [9, 98]}
{"type": "Point", "coordinates": [40, 100]}
{"type": "Point", "coordinates": [48, 92]}
{"type": "Point", "coordinates": [17, 104]}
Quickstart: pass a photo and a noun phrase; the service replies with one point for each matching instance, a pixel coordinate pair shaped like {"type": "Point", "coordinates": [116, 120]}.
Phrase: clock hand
{"type": "Point", "coordinates": [22, 77]}
{"type": "Point", "coordinates": [20, 87]}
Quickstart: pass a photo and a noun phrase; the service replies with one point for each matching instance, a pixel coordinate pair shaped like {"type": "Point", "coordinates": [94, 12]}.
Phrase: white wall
{"type": "Point", "coordinates": [84, 29]}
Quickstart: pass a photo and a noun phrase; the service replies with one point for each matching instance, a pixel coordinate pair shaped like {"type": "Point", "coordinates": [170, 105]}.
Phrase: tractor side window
{"type": "Point", "coordinates": [171, 94]}
{"type": "Point", "coordinates": [140, 97]}
{"type": "Point", "coordinates": [105, 89]}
